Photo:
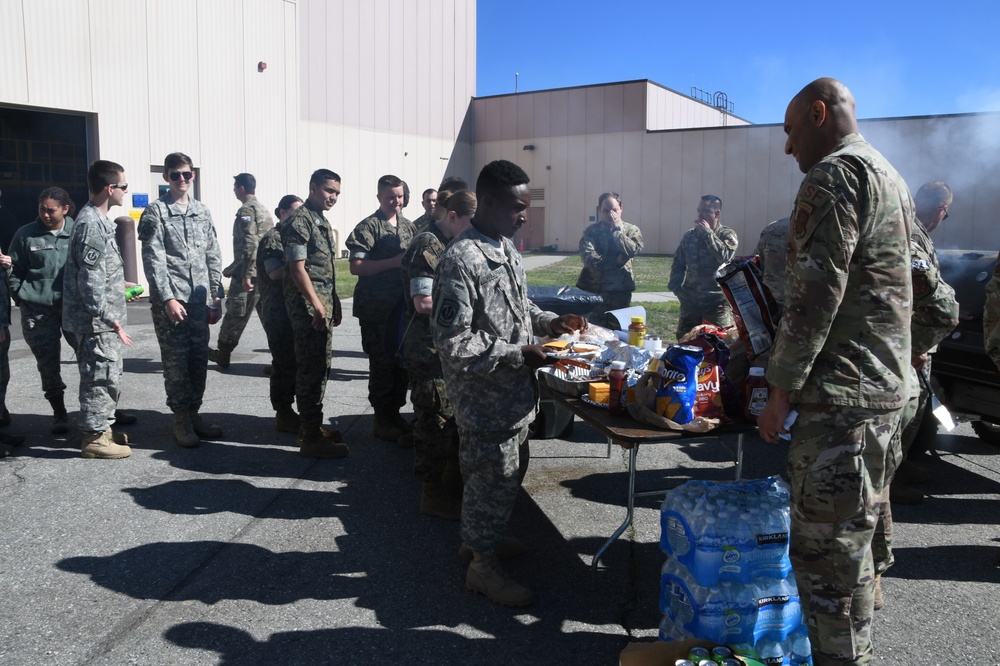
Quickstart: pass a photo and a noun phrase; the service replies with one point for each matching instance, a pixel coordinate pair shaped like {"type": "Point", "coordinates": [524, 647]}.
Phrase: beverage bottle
{"type": "Point", "coordinates": [133, 292]}
{"type": "Point", "coordinates": [754, 394]}
{"type": "Point", "coordinates": [214, 313]}
{"type": "Point", "coordinates": [637, 331]}
{"type": "Point", "coordinates": [799, 650]}
{"type": "Point", "coordinates": [616, 377]}
{"type": "Point", "coordinates": [772, 653]}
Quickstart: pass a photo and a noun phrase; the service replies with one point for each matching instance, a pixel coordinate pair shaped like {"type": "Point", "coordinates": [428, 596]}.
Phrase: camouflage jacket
{"type": "Point", "coordinates": [419, 266]}
{"type": "Point", "coordinates": [772, 248]}
{"type": "Point", "coordinates": [4, 301]}
{"type": "Point", "coordinates": [420, 224]}
{"type": "Point", "coordinates": [844, 337]}
{"type": "Point", "coordinates": [180, 252]}
{"type": "Point", "coordinates": [607, 257]}
{"type": "Point", "coordinates": [307, 236]}
{"type": "Point", "coordinates": [270, 257]}
{"type": "Point", "coordinates": [252, 222]}
{"type": "Point", "coordinates": [38, 258]}
{"type": "Point", "coordinates": [935, 310]}
{"type": "Point", "coordinates": [991, 317]}
{"type": "Point", "coordinates": [375, 296]}
{"type": "Point", "coordinates": [94, 276]}
{"type": "Point", "coordinates": [482, 317]}
{"type": "Point", "coordinates": [698, 258]}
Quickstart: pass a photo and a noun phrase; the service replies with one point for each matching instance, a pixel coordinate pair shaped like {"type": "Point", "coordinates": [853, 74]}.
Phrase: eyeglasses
{"type": "Point", "coordinates": [945, 209]}
{"type": "Point", "coordinates": [177, 175]}
{"type": "Point", "coordinates": [120, 186]}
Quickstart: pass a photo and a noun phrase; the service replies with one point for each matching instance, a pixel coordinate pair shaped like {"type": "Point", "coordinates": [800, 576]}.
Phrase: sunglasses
{"type": "Point", "coordinates": [177, 175]}
{"type": "Point", "coordinates": [120, 186]}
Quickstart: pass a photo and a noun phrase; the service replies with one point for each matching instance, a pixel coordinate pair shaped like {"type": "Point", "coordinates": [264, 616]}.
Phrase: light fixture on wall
{"type": "Point", "coordinates": [529, 146]}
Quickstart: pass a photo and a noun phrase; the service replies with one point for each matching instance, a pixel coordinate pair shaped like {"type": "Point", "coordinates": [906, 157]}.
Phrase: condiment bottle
{"type": "Point", "coordinates": [637, 331]}
{"type": "Point", "coordinates": [754, 394]}
{"type": "Point", "coordinates": [616, 377]}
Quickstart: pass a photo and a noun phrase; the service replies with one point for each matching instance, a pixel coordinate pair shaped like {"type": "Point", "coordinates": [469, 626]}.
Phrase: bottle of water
{"type": "Point", "coordinates": [779, 611]}
{"type": "Point", "coordinates": [799, 650]}
{"type": "Point", "coordinates": [772, 653]}
{"type": "Point", "coordinates": [670, 631]}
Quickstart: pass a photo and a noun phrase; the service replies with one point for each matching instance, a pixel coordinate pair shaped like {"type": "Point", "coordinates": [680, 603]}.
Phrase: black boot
{"type": "Point", "coordinates": [60, 419]}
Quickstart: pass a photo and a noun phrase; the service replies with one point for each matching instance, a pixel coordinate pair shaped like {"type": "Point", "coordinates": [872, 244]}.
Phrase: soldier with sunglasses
{"type": "Point", "coordinates": [183, 265]}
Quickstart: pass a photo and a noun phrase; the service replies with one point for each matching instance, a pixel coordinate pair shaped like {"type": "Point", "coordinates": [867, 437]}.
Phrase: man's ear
{"type": "Point", "coordinates": [817, 113]}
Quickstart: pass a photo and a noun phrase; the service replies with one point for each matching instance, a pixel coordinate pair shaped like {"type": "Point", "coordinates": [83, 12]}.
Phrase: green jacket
{"type": "Point", "coordinates": [38, 258]}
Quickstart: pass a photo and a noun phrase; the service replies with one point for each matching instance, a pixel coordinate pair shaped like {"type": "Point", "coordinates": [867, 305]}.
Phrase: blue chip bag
{"type": "Point", "coordinates": [675, 398]}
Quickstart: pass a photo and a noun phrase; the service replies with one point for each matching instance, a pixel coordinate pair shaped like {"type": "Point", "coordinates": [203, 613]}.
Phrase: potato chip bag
{"type": "Point", "coordinates": [708, 401]}
{"type": "Point", "coordinates": [678, 390]}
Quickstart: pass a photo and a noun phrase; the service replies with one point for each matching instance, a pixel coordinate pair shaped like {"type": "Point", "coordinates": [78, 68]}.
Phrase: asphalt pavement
{"type": "Point", "coordinates": [242, 552]}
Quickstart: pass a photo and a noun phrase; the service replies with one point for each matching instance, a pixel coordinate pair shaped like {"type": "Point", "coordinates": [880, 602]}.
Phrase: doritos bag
{"type": "Point", "coordinates": [678, 390]}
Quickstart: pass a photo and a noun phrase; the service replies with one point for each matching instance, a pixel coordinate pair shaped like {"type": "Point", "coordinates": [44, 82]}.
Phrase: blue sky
{"type": "Point", "coordinates": [899, 59]}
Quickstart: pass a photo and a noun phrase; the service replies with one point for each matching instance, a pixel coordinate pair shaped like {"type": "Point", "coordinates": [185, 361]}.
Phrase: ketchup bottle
{"type": "Point", "coordinates": [616, 377]}
{"type": "Point", "coordinates": [754, 394]}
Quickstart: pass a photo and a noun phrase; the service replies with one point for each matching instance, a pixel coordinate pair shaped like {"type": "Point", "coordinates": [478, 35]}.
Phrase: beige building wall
{"type": "Point", "coordinates": [363, 87]}
{"type": "Point", "coordinates": [662, 174]}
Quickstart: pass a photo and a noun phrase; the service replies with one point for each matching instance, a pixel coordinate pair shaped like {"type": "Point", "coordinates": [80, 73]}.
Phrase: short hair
{"type": "Point", "coordinates": [60, 196]}
{"type": "Point", "coordinates": [320, 176]}
{"type": "Point", "coordinates": [174, 160]}
{"type": "Point", "coordinates": [933, 194]}
{"type": "Point", "coordinates": [429, 190]}
{"type": "Point", "coordinates": [609, 195]}
{"type": "Point", "coordinates": [713, 201]}
{"type": "Point", "coordinates": [497, 176]}
{"type": "Point", "coordinates": [103, 173]}
{"type": "Point", "coordinates": [389, 180]}
{"type": "Point", "coordinates": [462, 203]}
{"type": "Point", "coordinates": [285, 203]}
{"type": "Point", "coordinates": [406, 194]}
{"type": "Point", "coordinates": [246, 181]}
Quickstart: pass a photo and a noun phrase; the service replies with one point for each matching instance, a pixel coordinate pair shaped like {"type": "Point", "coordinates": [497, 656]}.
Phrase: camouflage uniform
{"type": "Point", "coordinates": [435, 435]}
{"type": "Point", "coordinates": [5, 345]}
{"type": "Point", "coordinates": [991, 317]}
{"type": "Point", "coordinates": [421, 224]}
{"type": "Point", "coordinates": [93, 300]}
{"type": "Point", "coordinates": [274, 317]}
{"type": "Point", "coordinates": [772, 248]}
{"type": "Point", "coordinates": [378, 305]}
{"type": "Point", "coordinates": [843, 350]}
{"type": "Point", "coordinates": [182, 261]}
{"type": "Point", "coordinates": [38, 258]}
{"type": "Point", "coordinates": [602, 250]}
{"type": "Point", "coordinates": [482, 317]}
{"type": "Point", "coordinates": [692, 276]}
{"type": "Point", "coordinates": [252, 221]}
{"type": "Point", "coordinates": [306, 236]}
{"type": "Point", "coordinates": [935, 315]}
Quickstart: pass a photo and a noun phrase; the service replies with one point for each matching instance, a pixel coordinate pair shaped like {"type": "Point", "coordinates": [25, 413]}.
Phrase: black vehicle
{"type": "Point", "coordinates": [966, 380]}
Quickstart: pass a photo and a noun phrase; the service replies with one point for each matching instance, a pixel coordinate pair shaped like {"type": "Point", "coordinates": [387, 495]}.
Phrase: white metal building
{"type": "Point", "coordinates": [280, 88]}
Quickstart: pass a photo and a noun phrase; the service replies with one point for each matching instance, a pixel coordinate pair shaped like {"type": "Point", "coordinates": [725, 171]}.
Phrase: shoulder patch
{"type": "Point", "coordinates": [803, 211]}
{"type": "Point", "coordinates": [91, 256]}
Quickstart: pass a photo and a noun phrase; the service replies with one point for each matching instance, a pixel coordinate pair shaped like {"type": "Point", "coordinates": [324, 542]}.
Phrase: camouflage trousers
{"type": "Point", "coordinates": [838, 463]}
{"type": "Point", "coordinates": [240, 306]}
{"type": "Point", "coordinates": [312, 368]}
{"type": "Point", "coordinates": [42, 328]}
{"type": "Point", "coordinates": [387, 381]}
{"type": "Point", "coordinates": [184, 354]}
{"type": "Point", "coordinates": [99, 357]}
{"type": "Point", "coordinates": [913, 412]}
{"type": "Point", "coordinates": [696, 311]}
{"type": "Point", "coordinates": [489, 463]}
{"type": "Point", "coordinates": [281, 343]}
{"type": "Point", "coordinates": [435, 434]}
{"type": "Point", "coordinates": [4, 368]}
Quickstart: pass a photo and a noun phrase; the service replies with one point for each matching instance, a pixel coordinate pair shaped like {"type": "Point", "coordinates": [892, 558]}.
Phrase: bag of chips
{"type": "Point", "coordinates": [754, 308]}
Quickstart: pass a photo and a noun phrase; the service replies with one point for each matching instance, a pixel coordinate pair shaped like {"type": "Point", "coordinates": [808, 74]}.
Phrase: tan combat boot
{"type": "Point", "coordinates": [486, 577]}
{"type": "Point", "coordinates": [119, 438]}
{"type": "Point", "coordinates": [203, 428]}
{"type": "Point", "coordinates": [103, 446]}
{"type": "Point", "coordinates": [434, 501]}
{"type": "Point", "coordinates": [313, 444]}
{"type": "Point", "coordinates": [385, 427]}
{"type": "Point", "coordinates": [184, 431]}
{"type": "Point", "coordinates": [286, 420]}
{"type": "Point", "coordinates": [900, 494]}
{"type": "Point", "coordinates": [879, 599]}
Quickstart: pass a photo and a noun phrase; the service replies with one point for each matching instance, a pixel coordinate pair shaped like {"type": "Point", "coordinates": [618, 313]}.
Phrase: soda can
{"type": "Point", "coordinates": [721, 652]}
{"type": "Point", "coordinates": [214, 314]}
{"type": "Point", "coordinates": [707, 662]}
{"type": "Point", "coordinates": [697, 654]}
{"type": "Point", "coordinates": [683, 662]}
{"type": "Point", "coordinates": [729, 661]}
